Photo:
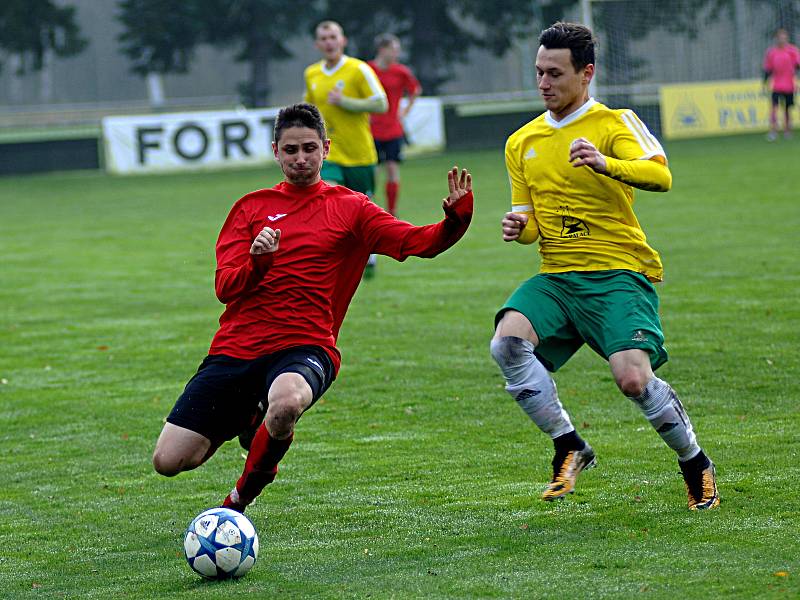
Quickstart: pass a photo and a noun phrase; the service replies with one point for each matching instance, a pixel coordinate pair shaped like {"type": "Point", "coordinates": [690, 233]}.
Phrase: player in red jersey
{"type": "Point", "coordinates": [289, 259]}
{"type": "Point", "coordinates": [387, 128]}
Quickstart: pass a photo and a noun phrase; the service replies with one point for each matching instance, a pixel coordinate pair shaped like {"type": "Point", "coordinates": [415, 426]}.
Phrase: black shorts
{"type": "Point", "coordinates": [221, 398]}
{"type": "Point", "coordinates": [389, 150]}
{"type": "Point", "coordinates": [787, 97]}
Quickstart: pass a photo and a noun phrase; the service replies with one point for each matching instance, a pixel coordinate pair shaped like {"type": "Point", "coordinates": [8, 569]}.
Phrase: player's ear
{"type": "Point", "coordinates": [275, 149]}
{"type": "Point", "coordinates": [326, 148]}
{"type": "Point", "coordinates": [588, 73]}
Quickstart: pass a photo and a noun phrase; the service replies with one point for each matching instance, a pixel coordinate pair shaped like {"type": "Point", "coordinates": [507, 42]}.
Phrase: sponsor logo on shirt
{"type": "Point", "coordinates": [274, 218]}
{"type": "Point", "coordinates": [572, 227]}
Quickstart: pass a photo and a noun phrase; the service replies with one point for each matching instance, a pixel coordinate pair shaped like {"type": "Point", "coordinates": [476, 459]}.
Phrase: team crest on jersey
{"type": "Point", "coordinates": [531, 153]}
{"type": "Point", "coordinates": [572, 227]}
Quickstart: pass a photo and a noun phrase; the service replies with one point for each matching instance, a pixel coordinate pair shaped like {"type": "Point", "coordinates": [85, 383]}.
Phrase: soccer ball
{"type": "Point", "coordinates": [221, 543]}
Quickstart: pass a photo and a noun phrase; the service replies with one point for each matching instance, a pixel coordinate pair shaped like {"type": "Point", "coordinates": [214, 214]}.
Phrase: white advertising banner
{"type": "Point", "coordinates": [424, 125]}
{"type": "Point", "coordinates": [221, 139]}
{"type": "Point", "coordinates": [194, 140]}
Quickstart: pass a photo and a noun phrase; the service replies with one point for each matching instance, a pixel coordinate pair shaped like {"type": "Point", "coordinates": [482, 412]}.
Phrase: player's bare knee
{"type": "Point", "coordinates": [166, 464]}
{"type": "Point", "coordinates": [283, 414]}
{"type": "Point", "coordinates": [515, 324]}
{"type": "Point", "coordinates": [280, 425]}
{"type": "Point", "coordinates": [170, 463]}
{"type": "Point", "coordinates": [632, 382]}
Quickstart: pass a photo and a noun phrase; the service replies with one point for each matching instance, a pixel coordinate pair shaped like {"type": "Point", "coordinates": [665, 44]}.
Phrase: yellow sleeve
{"type": "Point", "coordinates": [521, 200]}
{"type": "Point", "coordinates": [637, 158]}
{"type": "Point", "coordinates": [374, 104]}
{"type": "Point", "coordinates": [652, 175]}
{"type": "Point", "coordinates": [632, 140]}
{"type": "Point", "coordinates": [370, 88]}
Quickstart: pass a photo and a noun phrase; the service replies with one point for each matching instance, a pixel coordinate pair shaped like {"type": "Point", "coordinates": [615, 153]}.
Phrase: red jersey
{"type": "Point", "coordinates": [300, 293]}
{"type": "Point", "coordinates": [396, 80]}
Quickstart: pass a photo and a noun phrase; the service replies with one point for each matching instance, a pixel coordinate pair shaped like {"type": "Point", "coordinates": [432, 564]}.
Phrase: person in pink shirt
{"type": "Point", "coordinates": [780, 63]}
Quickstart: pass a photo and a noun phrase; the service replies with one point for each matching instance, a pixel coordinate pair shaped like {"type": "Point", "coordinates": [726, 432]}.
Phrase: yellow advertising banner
{"type": "Point", "coordinates": [713, 108]}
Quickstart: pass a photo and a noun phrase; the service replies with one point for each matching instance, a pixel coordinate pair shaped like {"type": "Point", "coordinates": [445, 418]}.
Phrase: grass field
{"type": "Point", "coordinates": [416, 476]}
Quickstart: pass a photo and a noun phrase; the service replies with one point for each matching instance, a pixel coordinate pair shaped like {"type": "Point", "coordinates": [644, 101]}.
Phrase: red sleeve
{"type": "Point", "coordinates": [412, 84]}
{"type": "Point", "coordinates": [386, 235]}
{"type": "Point", "coordinates": [238, 272]}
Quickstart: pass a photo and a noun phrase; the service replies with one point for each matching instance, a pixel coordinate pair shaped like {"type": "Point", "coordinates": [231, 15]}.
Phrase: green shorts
{"type": "Point", "coordinates": [358, 179]}
{"type": "Point", "coordinates": [609, 310]}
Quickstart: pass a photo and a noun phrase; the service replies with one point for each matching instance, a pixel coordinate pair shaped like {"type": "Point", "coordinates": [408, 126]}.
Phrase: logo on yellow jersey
{"type": "Point", "coordinates": [572, 227]}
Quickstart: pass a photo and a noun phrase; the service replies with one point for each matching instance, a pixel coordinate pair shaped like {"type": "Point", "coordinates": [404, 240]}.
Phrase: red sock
{"type": "Point", "coordinates": [392, 191]}
{"type": "Point", "coordinates": [260, 468]}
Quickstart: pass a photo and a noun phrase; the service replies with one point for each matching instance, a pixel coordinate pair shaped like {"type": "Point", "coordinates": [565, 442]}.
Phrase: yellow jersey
{"type": "Point", "coordinates": [351, 139]}
{"type": "Point", "coordinates": [585, 220]}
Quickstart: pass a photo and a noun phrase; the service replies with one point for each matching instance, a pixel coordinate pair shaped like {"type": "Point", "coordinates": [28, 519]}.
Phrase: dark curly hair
{"type": "Point", "coordinates": [299, 115]}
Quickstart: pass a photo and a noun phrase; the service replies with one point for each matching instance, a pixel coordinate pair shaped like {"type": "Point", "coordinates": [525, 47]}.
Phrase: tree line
{"type": "Point", "coordinates": [161, 36]}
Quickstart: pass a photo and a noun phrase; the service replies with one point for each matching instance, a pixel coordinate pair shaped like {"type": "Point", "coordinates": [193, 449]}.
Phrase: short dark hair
{"type": "Point", "coordinates": [299, 115]}
{"type": "Point", "coordinates": [577, 38]}
{"type": "Point", "coordinates": [385, 39]}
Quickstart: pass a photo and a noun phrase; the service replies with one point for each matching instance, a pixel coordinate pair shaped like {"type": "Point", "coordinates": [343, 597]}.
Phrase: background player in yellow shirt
{"type": "Point", "coordinates": [346, 90]}
{"type": "Point", "coordinates": [572, 173]}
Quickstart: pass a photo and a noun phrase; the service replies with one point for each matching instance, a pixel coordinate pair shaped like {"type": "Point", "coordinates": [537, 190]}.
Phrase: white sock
{"type": "Point", "coordinates": [660, 405]}
{"type": "Point", "coordinates": [530, 385]}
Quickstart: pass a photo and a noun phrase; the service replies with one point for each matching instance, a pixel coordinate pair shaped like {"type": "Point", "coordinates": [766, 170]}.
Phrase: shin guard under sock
{"type": "Point", "coordinates": [660, 405]}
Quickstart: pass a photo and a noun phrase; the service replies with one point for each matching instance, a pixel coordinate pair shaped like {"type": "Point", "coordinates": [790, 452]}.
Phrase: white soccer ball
{"type": "Point", "coordinates": [221, 543]}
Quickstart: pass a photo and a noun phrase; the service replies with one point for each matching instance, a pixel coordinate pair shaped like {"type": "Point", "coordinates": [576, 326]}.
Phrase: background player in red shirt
{"type": "Point", "coordinates": [387, 128]}
{"type": "Point", "coordinates": [780, 63]}
{"type": "Point", "coordinates": [289, 259]}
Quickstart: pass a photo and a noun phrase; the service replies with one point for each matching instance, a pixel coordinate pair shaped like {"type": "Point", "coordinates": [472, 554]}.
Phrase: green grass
{"type": "Point", "coordinates": [416, 476]}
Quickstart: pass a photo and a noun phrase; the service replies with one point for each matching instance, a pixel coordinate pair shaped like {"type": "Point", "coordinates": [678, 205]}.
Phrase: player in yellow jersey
{"type": "Point", "coordinates": [346, 90]}
{"type": "Point", "coordinates": [572, 173]}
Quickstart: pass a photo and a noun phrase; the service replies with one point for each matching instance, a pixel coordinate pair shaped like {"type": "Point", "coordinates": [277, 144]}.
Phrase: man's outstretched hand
{"type": "Point", "coordinates": [460, 186]}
